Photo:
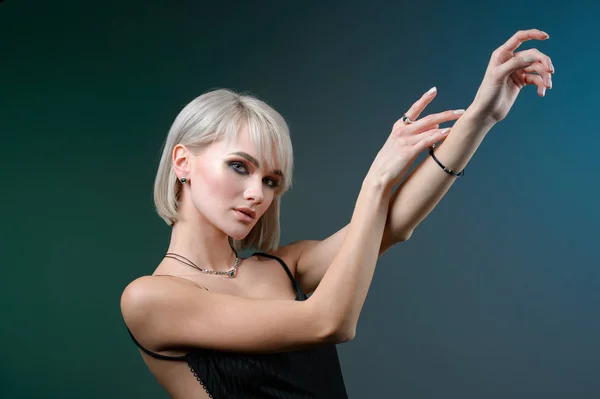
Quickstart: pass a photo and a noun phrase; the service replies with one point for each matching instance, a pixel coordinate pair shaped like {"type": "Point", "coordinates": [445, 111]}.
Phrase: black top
{"type": "Point", "coordinates": [299, 374]}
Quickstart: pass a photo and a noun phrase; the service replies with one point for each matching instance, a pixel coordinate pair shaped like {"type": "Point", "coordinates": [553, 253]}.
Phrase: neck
{"type": "Point", "coordinates": [202, 243]}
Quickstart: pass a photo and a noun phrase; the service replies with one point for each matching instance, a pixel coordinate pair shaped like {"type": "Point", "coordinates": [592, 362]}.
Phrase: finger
{"type": "Point", "coordinates": [522, 36]}
{"type": "Point", "coordinates": [431, 137]}
{"type": "Point", "coordinates": [418, 107]}
{"type": "Point", "coordinates": [537, 81]}
{"type": "Point", "coordinates": [514, 64]}
{"type": "Point", "coordinates": [415, 138]}
{"type": "Point", "coordinates": [540, 70]}
{"type": "Point", "coordinates": [427, 122]}
{"type": "Point", "coordinates": [544, 59]}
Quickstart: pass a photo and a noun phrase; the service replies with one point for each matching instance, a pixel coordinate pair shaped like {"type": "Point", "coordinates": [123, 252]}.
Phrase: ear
{"type": "Point", "coordinates": [182, 158]}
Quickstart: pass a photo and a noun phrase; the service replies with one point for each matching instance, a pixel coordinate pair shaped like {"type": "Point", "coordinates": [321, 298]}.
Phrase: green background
{"type": "Point", "coordinates": [494, 296]}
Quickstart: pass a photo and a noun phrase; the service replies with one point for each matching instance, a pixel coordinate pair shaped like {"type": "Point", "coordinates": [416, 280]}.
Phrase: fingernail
{"type": "Point", "coordinates": [551, 67]}
{"type": "Point", "coordinates": [549, 82]}
{"type": "Point", "coordinates": [459, 111]}
{"type": "Point", "coordinates": [432, 90]}
{"type": "Point", "coordinates": [543, 91]}
{"type": "Point", "coordinates": [446, 130]}
{"type": "Point", "coordinates": [529, 58]}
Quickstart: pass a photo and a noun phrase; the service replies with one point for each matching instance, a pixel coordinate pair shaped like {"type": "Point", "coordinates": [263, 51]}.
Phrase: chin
{"type": "Point", "coordinates": [239, 234]}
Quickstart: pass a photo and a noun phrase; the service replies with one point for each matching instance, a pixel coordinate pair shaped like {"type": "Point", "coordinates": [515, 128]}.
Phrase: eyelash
{"type": "Point", "coordinates": [233, 165]}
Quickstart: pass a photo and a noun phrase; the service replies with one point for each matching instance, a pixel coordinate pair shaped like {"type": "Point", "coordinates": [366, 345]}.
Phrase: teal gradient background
{"type": "Point", "coordinates": [495, 295]}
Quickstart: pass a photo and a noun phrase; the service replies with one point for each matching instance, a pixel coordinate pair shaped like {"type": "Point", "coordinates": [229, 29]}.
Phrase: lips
{"type": "Point", "coordinates": [246, 211]}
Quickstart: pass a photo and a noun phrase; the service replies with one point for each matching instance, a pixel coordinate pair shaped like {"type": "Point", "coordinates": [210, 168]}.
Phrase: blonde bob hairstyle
{"type": "Point", "coordinates": [222, 114]}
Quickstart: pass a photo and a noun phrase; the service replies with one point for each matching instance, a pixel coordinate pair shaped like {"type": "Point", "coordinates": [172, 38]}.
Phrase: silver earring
{"type": "Point", "coordinates": [183, 180]}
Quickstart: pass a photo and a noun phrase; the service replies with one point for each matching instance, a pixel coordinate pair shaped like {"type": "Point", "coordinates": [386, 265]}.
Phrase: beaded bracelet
{"type": "Point", "coordinates": [447, 170]}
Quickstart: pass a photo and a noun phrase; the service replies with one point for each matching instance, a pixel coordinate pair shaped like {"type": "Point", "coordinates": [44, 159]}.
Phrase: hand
{"type": "Point", "coordinates": [407, 140]}
{"type": "Point", "coordinates": [509, 72]}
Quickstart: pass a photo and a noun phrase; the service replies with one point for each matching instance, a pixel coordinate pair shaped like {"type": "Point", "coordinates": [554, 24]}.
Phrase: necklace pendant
{"type": "Point", "coordinates": [230, 273]}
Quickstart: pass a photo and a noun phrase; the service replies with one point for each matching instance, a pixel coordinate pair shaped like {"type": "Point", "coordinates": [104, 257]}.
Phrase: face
{"type": "Point", "coordinates": [228, 182]}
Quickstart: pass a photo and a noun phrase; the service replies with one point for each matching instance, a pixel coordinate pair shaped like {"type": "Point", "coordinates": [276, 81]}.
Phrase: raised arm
{"type": "Point", "coordinates": [506, 75]}
{"type": "Point", "coordinates": [311, 258]}
{"type": "Point", "coordinates": [422, 190]}
{"type": "Point", "coordinates": [167, 314]}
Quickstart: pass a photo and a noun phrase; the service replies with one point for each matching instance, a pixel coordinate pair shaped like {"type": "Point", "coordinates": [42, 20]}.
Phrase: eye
{"type": "Point", "coordinates": [273, 183]}
{"type": "Point", "coordinates": [242, 169]}
{"type": "Point", "coordinates": [239, 167]}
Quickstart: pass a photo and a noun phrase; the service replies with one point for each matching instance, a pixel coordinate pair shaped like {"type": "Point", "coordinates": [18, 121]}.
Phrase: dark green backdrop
{"type": "Point", "coordinates": [494, 296]}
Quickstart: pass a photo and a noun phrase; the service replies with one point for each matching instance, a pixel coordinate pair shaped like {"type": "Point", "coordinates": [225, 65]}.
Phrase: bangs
{"type": "Point", "coordinates": [274, 149]}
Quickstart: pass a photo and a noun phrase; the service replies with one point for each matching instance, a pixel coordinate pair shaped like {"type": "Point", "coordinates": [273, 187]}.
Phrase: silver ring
{"type": "Point", "coordinates": [406, 119]}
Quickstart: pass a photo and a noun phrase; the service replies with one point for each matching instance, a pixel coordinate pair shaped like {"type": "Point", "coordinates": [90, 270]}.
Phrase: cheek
{"type": "Point", "coordinates": [215, 187]}
{"type": "Point", "coordinates": [222, 186]}
{"type": "Point", "coordinates": [268, 202]}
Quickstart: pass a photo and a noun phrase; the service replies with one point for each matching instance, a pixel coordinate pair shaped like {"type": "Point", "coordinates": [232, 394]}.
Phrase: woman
{"type": "Point", "coordinates": [210, 324]}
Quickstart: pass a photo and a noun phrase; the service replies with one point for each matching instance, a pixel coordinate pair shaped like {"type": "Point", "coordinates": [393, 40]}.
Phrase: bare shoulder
{"type": "Point", "coordinates": [146, 289]}
{"type": "Point", "coordinates": [290, 253]}
{"type": "Point", "coordinates": [147, 285]}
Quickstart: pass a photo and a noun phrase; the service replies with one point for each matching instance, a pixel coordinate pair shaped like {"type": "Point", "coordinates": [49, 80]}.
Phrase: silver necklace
{"type": "Point", "coordinates": [230, 273]}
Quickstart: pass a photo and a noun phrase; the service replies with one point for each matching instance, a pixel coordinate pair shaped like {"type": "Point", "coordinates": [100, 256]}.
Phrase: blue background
{"type": "Point", "coordinates": [494, 296]}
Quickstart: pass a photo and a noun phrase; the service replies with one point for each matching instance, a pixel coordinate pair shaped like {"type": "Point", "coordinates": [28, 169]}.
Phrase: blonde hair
{"type": "Point", "coordinates": [222, 114]}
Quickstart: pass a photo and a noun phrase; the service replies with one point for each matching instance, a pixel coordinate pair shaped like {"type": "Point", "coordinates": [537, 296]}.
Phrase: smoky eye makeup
{"type": "Point", "coordinates": [238, 167]}
{"type": "Point", "coordinates": [241, 168]}
{"type": "Point", "coordinates": [276, 183]}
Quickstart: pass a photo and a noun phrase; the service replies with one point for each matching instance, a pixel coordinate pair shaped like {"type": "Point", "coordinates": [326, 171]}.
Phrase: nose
{"type": "Point", "coordinates": [254, 192]}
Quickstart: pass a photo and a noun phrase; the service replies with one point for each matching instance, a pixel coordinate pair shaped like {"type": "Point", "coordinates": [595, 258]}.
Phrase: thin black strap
{"type": "Point", "coordinates": [300, 295]}
{"type": "Point", "coordinates": [156, 355]}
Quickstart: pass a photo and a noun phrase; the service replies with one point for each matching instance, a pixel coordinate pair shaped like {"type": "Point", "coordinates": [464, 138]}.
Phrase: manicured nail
{"type": "Point", "coordinates": [432, 90]}
{"type": "Point", "coordinates": [547, 35]}
{"type": "Point", "coordinates": [551, 67]}
{"type": "Point", "coordinates": [543, 91]}
{"type": "Point", "coordinates": [529, 58]}
{"type": "Point", "coordinates": [459, 111]}
{"type": "Point", "coordinates": [549, 82]}
{"type": "Point", "coordinates": [445, 131]}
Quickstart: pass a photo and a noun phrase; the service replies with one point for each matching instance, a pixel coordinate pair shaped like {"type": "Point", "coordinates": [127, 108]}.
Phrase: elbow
{"type": "Point", "coordinates": [332, 326]}
{"type": "Point", "coordinates": [346, 335]}
{"type": "Point", "coordinates": [340, 335]}
{"type": "Point", "coordinates": [403, 236]}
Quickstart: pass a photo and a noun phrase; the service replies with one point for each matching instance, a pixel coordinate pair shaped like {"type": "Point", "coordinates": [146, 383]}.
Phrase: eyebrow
{"type": "Point", "coordinates": [255, 162]}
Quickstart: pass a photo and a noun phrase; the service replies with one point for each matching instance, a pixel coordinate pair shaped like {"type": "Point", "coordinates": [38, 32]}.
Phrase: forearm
{"type": "Point", "coordinates": [423, 189]}
{"type": "Point", "coordinates": [342, 291]}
